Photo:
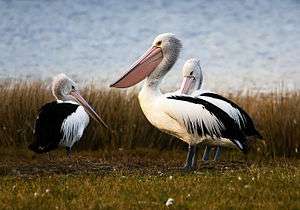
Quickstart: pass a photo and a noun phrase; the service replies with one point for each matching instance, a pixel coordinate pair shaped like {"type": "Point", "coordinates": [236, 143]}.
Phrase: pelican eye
{"type": "Point", "coordinates": [158, 44]}
{"type": "Point", "coordinates": [73, 87]}
{"type": "Point", "coordinates": [191, 73]}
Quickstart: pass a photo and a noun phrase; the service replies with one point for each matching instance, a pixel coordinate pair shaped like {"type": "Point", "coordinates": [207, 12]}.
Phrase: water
{"type": "Point", "coordinates": [242, 44]}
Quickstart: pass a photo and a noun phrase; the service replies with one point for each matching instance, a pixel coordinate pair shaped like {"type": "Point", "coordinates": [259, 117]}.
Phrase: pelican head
{"type": "Point", "coordinates": [65, 89]}
{"type": "Point", "coordinates": [169, 44]}
{"type": "Point", "coordinates": [192, 76]}
{"type": "Point", "coordinates": [62, 87]}
{"type": "Point", "coordinates": [155, 62]}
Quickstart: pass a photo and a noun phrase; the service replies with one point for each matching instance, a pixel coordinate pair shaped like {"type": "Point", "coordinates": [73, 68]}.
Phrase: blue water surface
{"type": "Point", "coordinates": [242, 44]}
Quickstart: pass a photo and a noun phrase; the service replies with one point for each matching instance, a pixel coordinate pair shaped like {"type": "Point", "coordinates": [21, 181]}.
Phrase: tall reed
{"type": "Point", "coordinates": [276, 114]}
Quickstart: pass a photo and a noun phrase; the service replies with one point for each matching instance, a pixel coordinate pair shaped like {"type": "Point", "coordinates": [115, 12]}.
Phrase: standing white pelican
{"type": "Point", "coordinates": [191, 84]}
{"type": "Point", "coordinates": [189, 118]}
{"type": "Point", "coordinates": [63, 121]}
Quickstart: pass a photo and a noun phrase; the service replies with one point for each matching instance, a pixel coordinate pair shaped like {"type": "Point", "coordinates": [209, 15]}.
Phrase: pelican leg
{"type": "Point", "coordinates": [207, 150]}
{"type": "Point", "coordinates": [191, 158]}
{"type": "Point", "coordinates": [218, 153]}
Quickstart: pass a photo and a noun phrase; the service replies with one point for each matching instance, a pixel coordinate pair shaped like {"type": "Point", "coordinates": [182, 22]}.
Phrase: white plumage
{"type": "Point", "coordinates": [174, 116]}
{"type": "Point", "coordinates": [62, 122]}
{"type": "Point", "coordinates": [73, 127]}
{"type": "Point", "coordinates": [196, 114]}
{"type": "Point", "coordinates": [234, 113]}
{"type": "Point", "coordinates": [193, 119]}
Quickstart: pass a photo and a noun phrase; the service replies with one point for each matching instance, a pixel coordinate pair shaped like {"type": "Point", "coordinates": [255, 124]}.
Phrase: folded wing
{"type": "Point", "coordinates": [203, 119]}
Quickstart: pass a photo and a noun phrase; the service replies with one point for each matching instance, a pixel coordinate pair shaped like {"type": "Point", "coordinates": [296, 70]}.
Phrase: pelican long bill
{"type": "Point", "coordinates": [140, 69]}
{"type": "Point", "coordinates": [87, 107]}
{"type": "Point", "coordinates": [187, 85]}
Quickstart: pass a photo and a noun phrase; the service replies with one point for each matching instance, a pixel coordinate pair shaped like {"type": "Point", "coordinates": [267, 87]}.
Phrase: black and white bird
{"type": "Point", "coordinates": [192, 119]}
{"type": "Point", "coordinates": [191, 85]}
{"type": "Point", "coordinates": [63, 121]}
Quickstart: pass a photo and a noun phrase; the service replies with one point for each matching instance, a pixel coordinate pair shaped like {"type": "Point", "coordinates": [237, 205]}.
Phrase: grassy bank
{"type": "Point", "coordinates": [145, 180]}
{"type": "Point", "coordinates": [276, 114]}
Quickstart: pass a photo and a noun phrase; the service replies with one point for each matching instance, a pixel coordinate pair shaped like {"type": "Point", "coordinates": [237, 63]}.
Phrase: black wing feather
{"type": "Point", "coordinates": [48, 125]}
{"type": "Point", "coordinates": [231, 130]}
{"type": "Point", "coordinates": [248, 125]}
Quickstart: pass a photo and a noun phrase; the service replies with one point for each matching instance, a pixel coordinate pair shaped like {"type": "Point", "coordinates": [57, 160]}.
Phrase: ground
{"type": "Point", "coordinates": [144, 180]}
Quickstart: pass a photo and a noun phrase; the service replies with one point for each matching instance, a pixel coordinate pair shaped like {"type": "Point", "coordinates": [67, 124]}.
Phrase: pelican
{"type": "Point", "coordinates": [189, 118]}
{"type": "Point", "coordinates": [191, 84]}
{"type": "Point", "coordinates": [63, 121]}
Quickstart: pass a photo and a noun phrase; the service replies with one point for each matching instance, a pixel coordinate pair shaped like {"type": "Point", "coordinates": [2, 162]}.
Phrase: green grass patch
{"type": "Point", "coordinates": [147, 183]}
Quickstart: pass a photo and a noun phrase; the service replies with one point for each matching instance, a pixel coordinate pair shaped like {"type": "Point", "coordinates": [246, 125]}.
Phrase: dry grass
{"type": "Point", "coordinates": [145, 177]}
{"type": "Point", "coordinates": [276, 114]}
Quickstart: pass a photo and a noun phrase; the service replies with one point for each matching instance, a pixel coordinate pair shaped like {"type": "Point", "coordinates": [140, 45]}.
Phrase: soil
{"type": "Point", "coordinates": [89, 165]}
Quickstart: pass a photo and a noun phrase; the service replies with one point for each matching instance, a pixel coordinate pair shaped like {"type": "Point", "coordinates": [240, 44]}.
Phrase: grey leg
{"type": "Point", "coordinates": [195, 157]}
{"type": "Point", "coordinates": [218, 153]}
{"type": "Point", "coordinates": [191, 158]}
{"type": "Point", "coordinates": [205, 156]}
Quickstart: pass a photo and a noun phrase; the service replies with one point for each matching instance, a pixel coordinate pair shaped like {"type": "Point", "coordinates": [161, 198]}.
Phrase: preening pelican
{"type": "Point", "coordinates": [192, 81]}
{"type": "Point", "coordinates": [191, 84]}
{"type": "Point", "coordinates": [62, 122]}
{"type": "Point", "coordinates": [189, 118]}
